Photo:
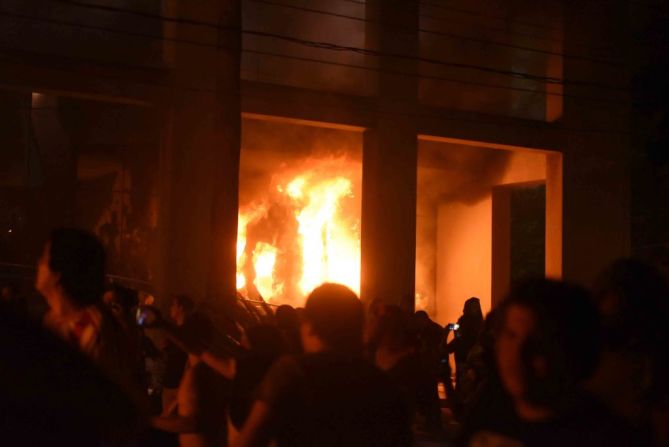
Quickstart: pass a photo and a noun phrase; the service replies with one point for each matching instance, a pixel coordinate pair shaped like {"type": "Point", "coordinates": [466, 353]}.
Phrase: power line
{"type": "Point", "coordinates": [321, 61]}
{"type": "Point", "coordinates": [364, 51]}
{"type": "Point", "coordinates": [437, 78]}
{"type": "Point", "coordinates": [465, 12]}
{"type": "Point", "coordinates": [517, 122]}
{"type": "Point", "coordinates": [444, 34]}
{"type": "Point", "coordinates": [573, 43]}
{"type": "Point", "coordinates": [506, 31]}
{"type": "Point", "coordinates": [111, 30]}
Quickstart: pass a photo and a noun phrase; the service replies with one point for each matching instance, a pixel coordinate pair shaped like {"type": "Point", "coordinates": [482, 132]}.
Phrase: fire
{"type": "Point", "coordinates": [314, 239]}
{"type": "Point", "coordinates": [264, 259]}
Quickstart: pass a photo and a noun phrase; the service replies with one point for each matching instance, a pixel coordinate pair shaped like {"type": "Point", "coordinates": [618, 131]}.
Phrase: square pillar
{"type": "Point", "coordinates": [200, 157]}
{"type": "Point", "coordinates": [389, 168]}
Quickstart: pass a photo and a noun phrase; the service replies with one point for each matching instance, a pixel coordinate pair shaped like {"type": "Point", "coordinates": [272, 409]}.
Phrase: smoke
{"type": "Point", "coordinates": [448, 173]}
{"type": "Point", "coordinates": [275, 147]}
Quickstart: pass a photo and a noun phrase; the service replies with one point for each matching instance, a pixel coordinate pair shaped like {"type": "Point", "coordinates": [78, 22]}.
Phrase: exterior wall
{"type": "Point", "coordinates": [472, 242]}
{"type": "Point", "coordinates": [595, 168]}
{"type": "Point", "coordinates": [75, 31]}
{"type": "Point", "coordinates": [591, 183]}
{"type": "Point", "coordinates": [464, 259]}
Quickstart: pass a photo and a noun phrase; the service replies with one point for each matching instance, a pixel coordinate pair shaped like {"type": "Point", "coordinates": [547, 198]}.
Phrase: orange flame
{"type": "Point", "coordinates": [327, 238]}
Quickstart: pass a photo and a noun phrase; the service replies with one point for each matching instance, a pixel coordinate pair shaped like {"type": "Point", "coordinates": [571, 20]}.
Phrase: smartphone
{"type": "Point", "coordinates": [145, 316]}
{"type": "Point", "coordinates": [453, 326]}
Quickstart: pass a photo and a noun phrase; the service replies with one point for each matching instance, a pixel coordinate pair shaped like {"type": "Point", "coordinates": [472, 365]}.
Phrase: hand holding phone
{"type": "Point", "coordinates": [147, 316]}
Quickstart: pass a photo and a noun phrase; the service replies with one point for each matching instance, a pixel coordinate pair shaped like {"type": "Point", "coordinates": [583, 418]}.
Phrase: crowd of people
{"type": "Point", "coordinates": [553, 365]}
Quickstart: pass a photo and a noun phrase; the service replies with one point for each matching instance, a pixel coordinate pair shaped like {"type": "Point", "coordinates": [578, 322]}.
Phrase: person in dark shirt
{"type": "Point", "coordinates": [633, 376]}
{"type": "Point", "coordinates": [330, 396]}
{"type": "Point", "coordinates": [546, 347]}
{"type": "Point", "coordinates": [198, 414]}
{"type": "Point", "coordinates": [469, 328]}
{"type": "Point", "coordinates": [10, 296]}
{"type": "Point", "coordinates": [262, 346]}
{"type": "Point", "coordinates": [288, 323]}
{"type": "Point", "coordinates": [175, 358]}
{"type": "Point", "coordinates": [52, 394]}
{"type": "Point", "coordinates": [398, 356]}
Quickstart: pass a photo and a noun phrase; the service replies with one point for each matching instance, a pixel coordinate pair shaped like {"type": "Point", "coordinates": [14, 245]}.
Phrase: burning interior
{"type": "Point", "coordinates": [480, 223]}
{"type": "Point", "coordinates": [299, 214]}
{"type": "Point", "coordinates": [481, 213]}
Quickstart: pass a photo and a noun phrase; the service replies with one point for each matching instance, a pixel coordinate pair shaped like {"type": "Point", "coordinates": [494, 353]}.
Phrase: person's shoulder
{"type": "Point", "coordinates": [282, 380]}
{"type": "Point", "coordinates": [592, 419]}
{"type": "Point", "coordinates": [289, 364]}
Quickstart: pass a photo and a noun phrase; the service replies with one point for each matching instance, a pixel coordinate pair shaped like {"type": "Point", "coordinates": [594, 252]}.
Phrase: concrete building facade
{"type": "Point", "coordinates": [507, 77]}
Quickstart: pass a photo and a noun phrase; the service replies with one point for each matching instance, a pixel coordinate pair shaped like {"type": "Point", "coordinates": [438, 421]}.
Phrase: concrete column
{"type": "Point", "coordinates": [596, 181]}
{"type": "Point", "coordinates": [501, 243]}
{"type": "Point", "coordinates": [390, 159]}
{"type": "Point", "coordinates": [227, 132]}
{"type": "Point", "coordinates": [200, 159]}
{"type": "Point", "coordinates": [554, 199]}
{"type": "Point", "coordinates": [57, 161]}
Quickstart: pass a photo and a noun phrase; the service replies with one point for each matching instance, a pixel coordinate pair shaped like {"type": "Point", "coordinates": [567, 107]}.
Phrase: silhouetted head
{"type": "Point", "coordinates": [548, 341]}
{"type": "Point", "coordinates": [198, 330]}
{"type": "Point", "coordinates": [376, 308]}
{"type": "Point", "coordinates": [286, 318]}
{"type": "Point", "coordinates": [9, 292]}
{"type": "Point", "coordinates": [182, 307]}
{"type": "Point", "coordinates": [333, 320]}
{"type": "Point", "coordinates": [422, 316]}
{"type": "Point", "coordinates": [72, 264]}
{"type": "Point", "coordinates": [472, 308]}
{"type": "Point", "coordinates": [397, 330]}
{"type": "Point", "coordinates": [265, 340]}
{"type": "Point", "coordinates": [121, 300]}
{"type": "Point", "coordinates": [633, 301]}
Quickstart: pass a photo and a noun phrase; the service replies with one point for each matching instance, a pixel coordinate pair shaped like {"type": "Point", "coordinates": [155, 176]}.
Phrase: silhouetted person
{"type": "Point", "coordinates": [398, 356]}
{"type": "Point", "coordinates": [374, 312]}
{"type": "Point", "coordinates": [330, 396]}
{"type": "Point", "coordinates": [198, 414]}
{"type": "Point", "coordinates": [288, 323]}
{"type": "Point", "coordinates": [263, 345]}
{"type": "Point", "coordinates": [10, 295]}
{"type": "Point", "coordinates": [633, 376]}
{"type": "Point", "coordinates": [433, 354]}
{"type": "Point", "coordinates": [489, 405]}
{"type": "Point", "coordinates": [547, 346]}
{"type": "Point", "coordinates": [53, 395]}
{"type": "Point", "coordinates": [466, 336]}
{"type": "Point", "coordinates": [70, 276]}
{"type": "Point", "coordinates": [175, 358]}
{"type": "Point", "coordinates": [122, 302]}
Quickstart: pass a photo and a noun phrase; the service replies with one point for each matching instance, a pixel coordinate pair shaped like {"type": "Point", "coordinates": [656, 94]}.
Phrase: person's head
{"type": "Point", "coordinates": [633, 302]}
{"type": "Point", "coordinates": [72, 267]}
{"type": "Point", "coordinates": [265, 341]}
{"type": "Point", "coordinates": [421, 315]}
{"type": "Point", "coordinates": [333, 320]}
{"type": "Point", "coordinates": [548, 342]}
{"type": "Point", "coordinates": [376, 308]}
{"type": "Point", "coordinates": [286, 318]}
{"type": "Point", "coordinates": [121, 300]}
{"type": "Point", "coordinates": [9, 292]}
{"type": "Point", "coordinates": [472, 308]}
{"type": "Point", "coordinates": [198, 331]}
{"type": "Point", "coordinates": [182, 307]}
{"type": "Point", "coordinates": [397, 330]}
{"type": "Point", "coordinates": [421, 318]}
